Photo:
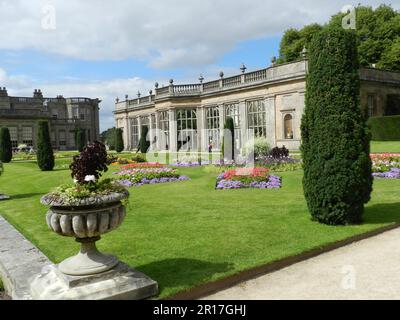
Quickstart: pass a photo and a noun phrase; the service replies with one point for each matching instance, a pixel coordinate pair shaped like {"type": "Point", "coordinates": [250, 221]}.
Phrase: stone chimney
{"type": "Point", "coordinates": [37, 93]}
{"type": "Point", "coordinates": [3, 92]}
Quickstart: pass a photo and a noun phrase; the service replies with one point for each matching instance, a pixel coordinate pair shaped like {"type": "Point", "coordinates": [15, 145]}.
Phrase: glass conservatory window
{"type": "Point", "coordinates": [256, 117]}
{"type": "Point", "coordinates": [187, 129]}
{"type": "Point", "coordinates": [164, 128]}
{"type": "Point", "coordinates": [213, 130]}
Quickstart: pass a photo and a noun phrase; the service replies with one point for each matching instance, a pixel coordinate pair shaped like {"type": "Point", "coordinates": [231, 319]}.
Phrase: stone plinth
{"type": "Point", "coordinates": [119, 283]}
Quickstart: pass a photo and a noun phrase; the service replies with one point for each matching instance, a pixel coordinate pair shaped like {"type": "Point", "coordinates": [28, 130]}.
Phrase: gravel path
{"type": "Point", "coordinates": [368, 269]}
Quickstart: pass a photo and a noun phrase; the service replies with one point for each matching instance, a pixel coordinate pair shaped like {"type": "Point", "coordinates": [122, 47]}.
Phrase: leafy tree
{"type": "Point", "coordinates": [377, 31]}
{"type": "Point", "coordinates": [143, 143]}
{"type": "Point", "coordinates": [293, 42]}
{"type": "Point", "coordinates": [80, 138]}
{"type": "Point", "coordinates": [5, 145]}
{"type": "Point", "coordinates": [335, 140]}
{"type": "Point", "coordinates": [229, 125]}
{"type": "Point", "coordinates": [119, 141]}
{"type": "Point", "coordinates": [108, 137]}
{"type": "Point", "coordinates": [45, 156]}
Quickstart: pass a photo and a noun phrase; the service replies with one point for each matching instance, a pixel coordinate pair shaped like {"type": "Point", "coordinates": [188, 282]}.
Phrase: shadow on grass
{"type": "Point", "coordinates": [182, 273]}
{"type": "Point", "coordinates": [382, 213]}
{"type": "Point", "coordinates": [24, 195]}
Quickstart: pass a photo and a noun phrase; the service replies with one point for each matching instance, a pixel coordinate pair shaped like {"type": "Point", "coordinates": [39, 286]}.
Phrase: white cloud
{"type": "Point", "coordinates": [161, 33]}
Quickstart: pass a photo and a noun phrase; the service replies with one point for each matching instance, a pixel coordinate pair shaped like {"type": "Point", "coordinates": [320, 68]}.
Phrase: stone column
{"type": "Point", "coordinates": [151, 131]}
{"type": "Point", "coordinates": [204, 137]}
{"type": "Point", "coordinates": [221, 111]}
{"type": "Point", "coordinates": [243, 121]}
{"type": "Point", "coordinates": [271, 120]}
{"type": "Point", "coordinates": [172, 130]}
{"type": "Point", "coordinates": [200, 129]}
{"type": "Point", "coordinates": [158, 133]}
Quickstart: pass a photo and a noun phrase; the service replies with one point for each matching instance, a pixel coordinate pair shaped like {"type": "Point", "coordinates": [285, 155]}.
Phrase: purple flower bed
{"type": "Point", "coordinates": [128, 183]}
{"type": "Point", "coordinates": [394, 173]}
{"type": "Point", "coordinates": [274, 182]}
{"type": "Point", "coordinates": [190, 164]}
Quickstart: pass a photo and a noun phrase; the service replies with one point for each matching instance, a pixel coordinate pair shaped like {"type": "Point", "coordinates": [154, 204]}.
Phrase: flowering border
{"type": "Point", "coordinates": [273, 182]}
{"type": "Point", "coordinates": [128, 183]}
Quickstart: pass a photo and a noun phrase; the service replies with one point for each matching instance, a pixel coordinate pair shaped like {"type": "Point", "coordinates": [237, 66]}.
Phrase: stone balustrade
{"type": "Point", "coordinates": [232, 81]}
{"type": "Point", "coordinates": [186, 90]}
{"type": "Point", "coordinates": [257, 77]}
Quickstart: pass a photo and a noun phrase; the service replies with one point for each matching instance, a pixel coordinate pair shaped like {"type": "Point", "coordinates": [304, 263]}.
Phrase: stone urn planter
{"type": "Point", "coordinates": [86, 220]}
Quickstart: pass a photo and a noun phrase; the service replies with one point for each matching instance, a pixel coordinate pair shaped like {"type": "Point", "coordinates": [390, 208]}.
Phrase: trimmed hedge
{"type": "Point", "coordinates": [80, 139]}
{"type": "Point", "coordinates": [337, 168]}
{"type": "Point", "coordinates": [5, 146]}
{"type": "Point", "coordinates": [45, 156]}
{"type": "Point", "coordinates": [119, 141]}
{"type": "Point", "coordinates": [144, 145]}
{"type": "Point", "coordinates": [229, 125]}
{"type": "Point", "coordinates": [385, 128]}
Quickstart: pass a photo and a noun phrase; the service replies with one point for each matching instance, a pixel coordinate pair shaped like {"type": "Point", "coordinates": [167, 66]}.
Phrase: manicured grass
{"type": "Point", "coordinates": [385, 146]}
{"type": "Point", "coordinates": [184, 234]}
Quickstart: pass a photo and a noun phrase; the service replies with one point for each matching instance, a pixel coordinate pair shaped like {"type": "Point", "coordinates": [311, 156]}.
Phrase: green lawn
{"type": "Point", "coordinates": [385, 146]}
{"type": "Point", "coordinates": [184, 234]}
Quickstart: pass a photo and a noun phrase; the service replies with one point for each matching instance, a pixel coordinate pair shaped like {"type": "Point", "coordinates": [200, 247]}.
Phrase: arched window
{"type": "Point", "coordinates": [288, 126]}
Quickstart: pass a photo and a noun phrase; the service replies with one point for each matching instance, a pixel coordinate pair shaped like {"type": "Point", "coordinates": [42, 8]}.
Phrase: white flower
{"type": "Point", "coordinates": [90, 178]}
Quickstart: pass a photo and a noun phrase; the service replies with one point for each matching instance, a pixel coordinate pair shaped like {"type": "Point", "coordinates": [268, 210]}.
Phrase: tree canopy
{"type": "Point", "coordinates": [377, 32]}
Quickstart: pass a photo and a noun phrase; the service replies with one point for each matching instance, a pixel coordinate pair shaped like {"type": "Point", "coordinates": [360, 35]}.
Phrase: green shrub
{"type": "Point", "coordinates": [139, 158]}
{"type": "Point", "coordinates": [5, 145]}
{"type": "Point", "coordinates": [45, 156]}
{"type": "Point", "coordinates": [119, 141]}
{"type": "Point", "coordinates": [261, 148]}
{"type": "Point", "coordinates": [385, 128]}
{"type": "Point", "coordinates": [143, 143]}
{"type": "Point", "coordinates": [80, 138]}
{"type": "Point", "coordinates": [229, 125]}
{"type": "Point", "coordinates": [335, 141]}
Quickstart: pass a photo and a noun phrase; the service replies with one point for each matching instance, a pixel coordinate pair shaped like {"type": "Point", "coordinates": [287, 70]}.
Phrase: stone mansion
{"type": "Point", "coordinates": [267, 102]}
{"type": "Point", "coordinates": [65, 115]}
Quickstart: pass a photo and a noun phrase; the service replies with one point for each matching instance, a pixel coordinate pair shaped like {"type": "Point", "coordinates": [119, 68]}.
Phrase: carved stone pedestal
{"type": "Point", "coordinates": [119, 283]}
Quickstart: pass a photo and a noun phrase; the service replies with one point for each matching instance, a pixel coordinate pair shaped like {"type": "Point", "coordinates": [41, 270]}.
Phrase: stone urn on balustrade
{"type": "Point", "coordinates": [90, 274]}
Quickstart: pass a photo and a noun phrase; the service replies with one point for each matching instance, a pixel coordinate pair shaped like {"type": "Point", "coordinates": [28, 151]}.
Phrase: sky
{"type": "Point", "coordinates": [106, 49]}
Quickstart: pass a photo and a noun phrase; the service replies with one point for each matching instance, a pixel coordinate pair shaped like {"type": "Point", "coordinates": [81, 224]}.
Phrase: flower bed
{"type": "Point", "coordinates": [139, 177]}
{"type": "Point", "coordinates": [248, 178]}
{"type": "Point", "coordinates": [386, 165]}
{"type": "Point", "coordinates": [189, 164]}
{"type": "Point", "coordinates": [143, 165]}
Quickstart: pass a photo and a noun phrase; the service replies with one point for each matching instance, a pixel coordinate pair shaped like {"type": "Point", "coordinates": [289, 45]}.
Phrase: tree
{"type": "Point", "coordinates": [143, 143]}
{"type": "Point", "coordinates": [337, 178]}
{"type": "Point", "coordinates": [5, 145]}
{"type": "Point", "coordinates": [80, 139]}
{"type": "Point", "coordinates": [45, 156]}
{"type": "Point", "coordinates": [119, 141]}
{"type": "Point", "coordinates": [377, 33]}
{"type": "Point", "coordinates": [229, 128]}
{"type": "Point", "coordinates": [108, 138]}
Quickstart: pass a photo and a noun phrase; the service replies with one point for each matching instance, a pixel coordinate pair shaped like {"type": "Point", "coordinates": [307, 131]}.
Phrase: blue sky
{"type": "Point", "coordinates": [124, 46]}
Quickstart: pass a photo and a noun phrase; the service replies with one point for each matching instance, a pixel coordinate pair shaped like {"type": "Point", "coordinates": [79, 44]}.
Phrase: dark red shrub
{"type": "Point", "coordinates": [93, 160]}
